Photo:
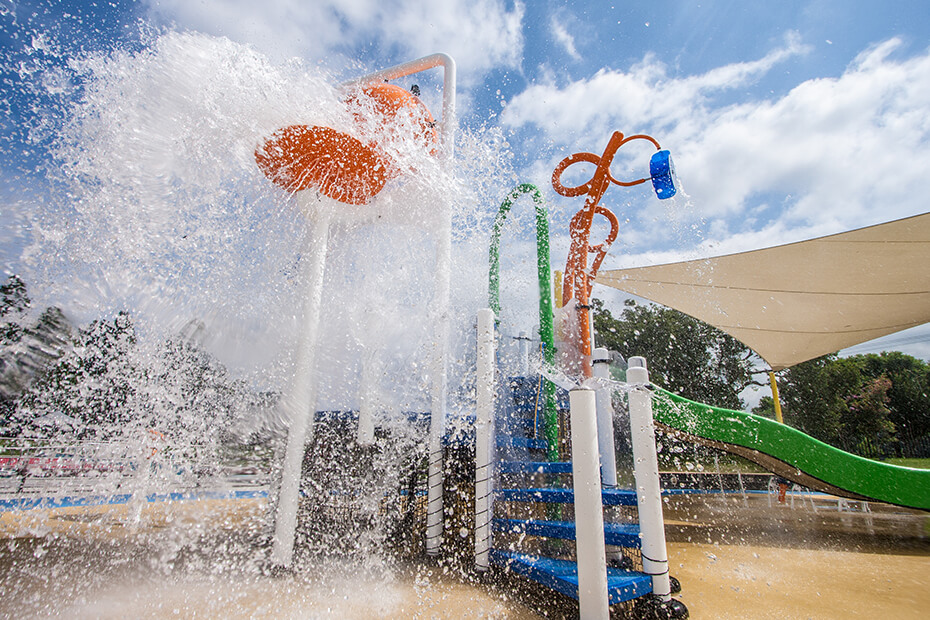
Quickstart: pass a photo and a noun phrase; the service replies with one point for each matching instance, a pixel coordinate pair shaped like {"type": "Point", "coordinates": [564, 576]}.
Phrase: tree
{"type": "Point", "coordinates": [866, 416]}
{"type": "Point", "coordinates": [866, 404]}
{"type": "Point", "coordinates": [685, 355]}
{"type": "Point", "coordinates": [909, 394]}
{"type": "Point", "coordinates": [26, 350]}
{"type": "Point", "coordinates": [813, 393]}
{"type": "Point", "coordinates": [94, 383]}
{"type": "Point", "coordinates": [13, 304]}
{"type": "Point", "coordinates": [110, 386]}
{"type": "Point", "coordinates": [192, 394]}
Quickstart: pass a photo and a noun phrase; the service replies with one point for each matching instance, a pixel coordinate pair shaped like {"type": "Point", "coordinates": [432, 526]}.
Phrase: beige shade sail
{"type": "Point", "coordinates": [798, 301]}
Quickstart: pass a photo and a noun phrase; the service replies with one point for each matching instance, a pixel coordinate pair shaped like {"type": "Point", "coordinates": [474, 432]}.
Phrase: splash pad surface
{"type": "Point", "coordinates": [199, 560]}
{"type": "Point", "coordinates": [191, 560]}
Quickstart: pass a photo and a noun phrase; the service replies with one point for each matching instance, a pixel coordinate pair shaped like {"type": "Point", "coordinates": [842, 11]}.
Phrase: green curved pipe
{"type": "Point", "coordinates": [546, 331]}
{"type": "Point", "coordinates": [792, 454]}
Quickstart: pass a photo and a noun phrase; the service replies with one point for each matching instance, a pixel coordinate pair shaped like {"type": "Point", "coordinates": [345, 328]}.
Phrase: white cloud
{"type": "Point", "coordinates": [479, 34]}
{"type": "Point", "coordinates": [563, 37]}
{"type": "Point", "coordinates": [645, 95]}
{"type": "Point", "coordinates": [832, 154]}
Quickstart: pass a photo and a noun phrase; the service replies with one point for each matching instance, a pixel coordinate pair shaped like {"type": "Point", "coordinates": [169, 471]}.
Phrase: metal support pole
{"type": "Point", "coordinates": [589, 510]}
{"type": "Point", "coordinates": [775, 398]}
{"type": "Point", "coordinates": [367, 399]}
{"type": "Point", "coordinates": [600, 361]}
{"type": "Point", "coordinates": [447, 125]}
{"type": "Point", "coordinates": [443, 282]}
{"type": "Point", "coordinates": [484, 427]}
{"type": "Point", "coordinates": [300, 399]}
{"type": "Point", "coordinates": [646, 473]}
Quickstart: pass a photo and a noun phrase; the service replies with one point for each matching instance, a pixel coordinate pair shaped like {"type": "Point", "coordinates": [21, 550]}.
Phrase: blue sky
{"type": "Point", "coordinates": [787, 119]}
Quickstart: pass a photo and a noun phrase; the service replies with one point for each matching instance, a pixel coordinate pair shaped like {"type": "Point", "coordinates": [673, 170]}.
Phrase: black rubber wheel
{"type": "Point", "coordinates": [654, 608]}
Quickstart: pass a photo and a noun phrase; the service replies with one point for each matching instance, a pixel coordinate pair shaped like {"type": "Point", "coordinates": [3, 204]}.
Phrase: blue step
{"type": "Point", "coordinates": [533, 467]}
{"type": "Point", "coordinates": [507, 441]}
{"type": "Point", "coordinates": [562, 575]}
{"type": "Point", "coordinates": [611, 497]}
{"type": "Point", "coordinates": [529, 424]}
{"type": "Point", "coordinates": [618, 534]}
{"type": "Point", "coordinates": [519, 425]}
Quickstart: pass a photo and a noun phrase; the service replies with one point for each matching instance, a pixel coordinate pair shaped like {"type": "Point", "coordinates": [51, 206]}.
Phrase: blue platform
{"type": "Point", "coordinates": [533, 467]}
{"type": "Point", "coordinates": [562, 575]}
{"type": "Point", "coordinates": [617, 534]}
{"type": "Point", "coordinates": [610, 497]}
{"type": "Point", "coordinates": [507, 441]}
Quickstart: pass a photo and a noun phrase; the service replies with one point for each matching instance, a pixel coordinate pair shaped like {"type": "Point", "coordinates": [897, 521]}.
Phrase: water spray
{"type": "Point", "coordinates": [328, 169]}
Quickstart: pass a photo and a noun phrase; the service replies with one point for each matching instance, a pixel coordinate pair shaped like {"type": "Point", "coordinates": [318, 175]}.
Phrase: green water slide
{"type": "Point", "coordinates": [789, 453]}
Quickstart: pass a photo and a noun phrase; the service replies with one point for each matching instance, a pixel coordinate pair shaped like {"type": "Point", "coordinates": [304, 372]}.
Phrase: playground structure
{"type": "Point", "coordinates": [524, 507]}
{"type": "Point", "coordinates": [618, 561]}
{"type": "Point", "coordinates": [346, 171]}
{"type": "Point", "coordinates": [586, 574]}
{"type": "Point", "coordinates": [791, 454]}
{"type": "Point", "coordinates": [327, 169]}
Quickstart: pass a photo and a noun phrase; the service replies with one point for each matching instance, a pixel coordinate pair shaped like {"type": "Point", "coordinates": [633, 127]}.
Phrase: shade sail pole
{"type": "Point", "coordinates": [775, 399]}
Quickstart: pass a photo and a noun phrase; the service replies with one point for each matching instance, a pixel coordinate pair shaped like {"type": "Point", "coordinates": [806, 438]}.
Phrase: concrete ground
{"type": "Point", "coordinates": [735, 557]}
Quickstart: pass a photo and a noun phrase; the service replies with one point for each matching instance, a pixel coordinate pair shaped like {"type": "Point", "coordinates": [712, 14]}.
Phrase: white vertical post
{"type": "Point", "coordinates": [299, 401]}
{"type": "Point", "coordinates": [484, 427]}
{"type": "Point", "coordinates": [367, 399]}
{"type": "Point", "coordinates": [646, 473]}
{"type": "Point", "coordinates": [434, 508]}
{"type": "Point", "coordinates": [600, 360]}
{"type": "Point", "coordinates": [589, 511]}
{"type": "Point", "coordinates": [523, 354]}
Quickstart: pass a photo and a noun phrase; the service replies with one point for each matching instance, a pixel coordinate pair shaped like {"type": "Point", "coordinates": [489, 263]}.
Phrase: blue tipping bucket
{"type": "Point", "coordinates": [662, 172]}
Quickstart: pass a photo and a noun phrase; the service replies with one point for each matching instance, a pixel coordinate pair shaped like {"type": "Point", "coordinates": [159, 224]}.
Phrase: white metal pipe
{"type": "Point", "coordinates": [484, 428]}
{"type": "Point", "coordinates": [447, 124]}
{"type": "Point", "coordinates": [434, 508]}
{"type": "Point", "coordinates": [367, 399]}
{"type": "Point", "coordinates": [589, 511]}
{"type": "Point", "coordinates": [600, 360]}
{"type": "Point", "coordinates": [523, 354]}
{"type": "Point", "coordinates": [299, 401]}
{"type": "Point", "coordinates": [646, 473]}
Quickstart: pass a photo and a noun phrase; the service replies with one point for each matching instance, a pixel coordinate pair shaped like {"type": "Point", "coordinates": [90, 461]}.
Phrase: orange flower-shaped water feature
{"type": "Point", "coordinates": [337, 164]}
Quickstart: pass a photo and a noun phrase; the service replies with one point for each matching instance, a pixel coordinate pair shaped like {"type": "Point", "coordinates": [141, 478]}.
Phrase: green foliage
{"type": "Point", "coordinates": [109, 386]}
{"type": "Point", "coordinates": [13, 297]}
{"type": "Point", "coordinates": [94, 383]}
{"type": "Point", "coordinates": [766, 407]}
{"type": "Point", "coordinates": [912, 463]}
{"type": "Point", "coordinates": [191, 392]}
{"type": "Point", "coordinates": [872, 405]}
{"type": "Point", "coordinates": [813, 396]}
{"type": "Point", "coordinates": [909, 394]}
{"type": "Point", "coordinates": [13, 303]}
{"type": "Point", "coordinates": [685, 355]}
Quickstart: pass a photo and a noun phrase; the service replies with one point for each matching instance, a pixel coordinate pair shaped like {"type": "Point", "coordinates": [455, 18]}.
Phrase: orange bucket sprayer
{"type": "Point", "coordinates": [337, 164]}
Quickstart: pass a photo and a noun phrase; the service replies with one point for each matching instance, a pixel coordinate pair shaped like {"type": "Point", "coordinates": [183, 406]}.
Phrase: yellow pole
{"type": "Point", "coordinates": [775, 398]}
{"type": "Point", "coordinates": [558, 289]}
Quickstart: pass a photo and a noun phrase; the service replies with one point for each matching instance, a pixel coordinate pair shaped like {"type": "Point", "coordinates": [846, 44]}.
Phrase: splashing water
{"type": "Point", "coordinates": [155, 207]}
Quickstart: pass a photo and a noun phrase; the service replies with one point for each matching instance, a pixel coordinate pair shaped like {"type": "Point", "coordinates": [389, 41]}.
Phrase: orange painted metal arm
{"type": "Point", "coordinates": [579, 277]}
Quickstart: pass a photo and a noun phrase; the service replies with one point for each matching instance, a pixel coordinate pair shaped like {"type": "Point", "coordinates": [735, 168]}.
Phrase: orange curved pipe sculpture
{"type": "Point", "coordinates": [339, 165]}
{"type": "Point", "coordinates": [579, 277]}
